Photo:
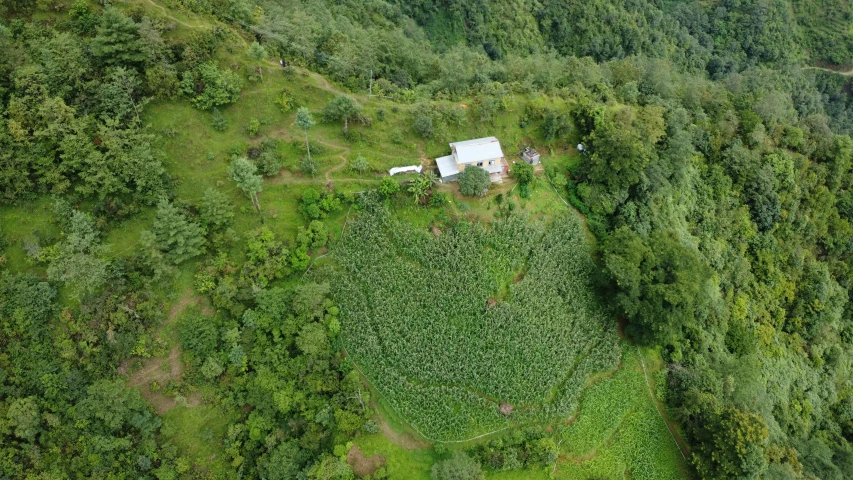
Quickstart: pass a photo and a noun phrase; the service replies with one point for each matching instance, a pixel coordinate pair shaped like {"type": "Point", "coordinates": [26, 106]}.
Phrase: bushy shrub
{"type": "Point", "coordinates": [474, 181]}
{"type": "Point", "coordinates": [423, 126]}
{"type": "Point", "coordinates": [218, 121]}
{"type": "Point", "coordinates": [253, 127]}
{"type": "Point", "coordinates": [523, 172]}
{"type": "Point", "coordinates": [388, 187]}
{"type": "Point", "coordinates": [209, 86]}
{"type": "Point", "coordinates": [458, 467]}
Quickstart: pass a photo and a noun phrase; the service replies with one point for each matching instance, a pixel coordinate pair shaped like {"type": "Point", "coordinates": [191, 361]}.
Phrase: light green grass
{"type": "Point", "coordinates": [20, 224]}
{"type": "Point", "coordinates": [198, 434]}
{"type": "Point", "coordinates": [618, 432]}
{"type": "Point", "coordinates": [400, 463]}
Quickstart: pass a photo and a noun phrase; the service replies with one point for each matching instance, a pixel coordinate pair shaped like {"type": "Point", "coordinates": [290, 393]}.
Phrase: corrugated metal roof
{"type": "Point", "coordinates": [476, 141]}
{"type": "Point", "coordinates": [477, 150]}
{"type": "Point", "coordinates": [446, 166]}
{"type": "Point", "coordinates": [496, 168]}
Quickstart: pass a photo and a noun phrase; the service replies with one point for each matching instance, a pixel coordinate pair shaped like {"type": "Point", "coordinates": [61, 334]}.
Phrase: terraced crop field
{"type": "Point", "coordinates": [454, 326]}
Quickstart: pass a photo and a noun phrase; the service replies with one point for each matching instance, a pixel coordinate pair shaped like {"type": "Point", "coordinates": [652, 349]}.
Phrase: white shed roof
{"type": "Point", "coordinates": [477, 150]}
{"type": "Point", "coordinates": [446, 166]}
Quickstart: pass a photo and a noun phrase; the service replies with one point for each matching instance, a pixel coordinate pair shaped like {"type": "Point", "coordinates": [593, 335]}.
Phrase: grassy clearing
{"type": "Point", "coordinates": [400, 463]}
{"type": "Point", "coordinates": [24, 223]}
{"type": "Point", "coordinates": [618, 431]}
{"type": "Point", "coordinates": [198, 434]}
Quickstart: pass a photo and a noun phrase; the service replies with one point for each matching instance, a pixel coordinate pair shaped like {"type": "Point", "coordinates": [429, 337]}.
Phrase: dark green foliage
{"type": "Point", "coordinates": [76, 262]}
{"type": "Point", "coordinates": [209, 86]}
{"type": "Point", "coordinates": [215, 212]}
{"type": "Point", "coordinates": [342, 108]}
{"type": "Point", "coordinates": [269, 160]}
{"type": "Point", "coordinates": [267, 257]}
{"type": "Point", "coordinates": [54, 394]}
{"type": "Point", "coordinates": [458, 467]}
{"type": "Point", "coordinates": [523, 172]}
{"type": "Point", "coordinates": [715, 180]}
{"type": "Point", "coordinates": [423, 126]}
{"type": "Point", "coordinates": [473, 181]}
{"type": "Point", "coordinates": [177, 236]}
{"type": "Point", "coordinates": [732, 443]}
{"type": "Point", "coordinates": [117, 41]}
{"type": "Point", "coordinates": [315, 205]}
{"type": "Point", "coordinates": [388, 187]}
{"type": "Point", "coordinates": [661, 282]}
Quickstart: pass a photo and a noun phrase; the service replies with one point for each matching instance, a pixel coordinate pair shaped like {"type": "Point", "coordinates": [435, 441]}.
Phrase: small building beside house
{"type": "Point", "coordinates": [530, 155]}
{"type": "Point", "coordinates": [481, 152]}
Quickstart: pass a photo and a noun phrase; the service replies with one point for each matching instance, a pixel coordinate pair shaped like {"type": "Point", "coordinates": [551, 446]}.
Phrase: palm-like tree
{"type": "Point", "coordinates": [419, 187]}
{"type": "Point", "coordinates": [430, 176]}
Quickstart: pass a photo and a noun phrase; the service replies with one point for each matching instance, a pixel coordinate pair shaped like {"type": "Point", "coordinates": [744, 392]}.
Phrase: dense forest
{"type": "Point", "coordinates": [715, 183]}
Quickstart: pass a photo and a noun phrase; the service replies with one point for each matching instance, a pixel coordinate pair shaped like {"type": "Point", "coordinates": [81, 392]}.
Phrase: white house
{"type": "Point", "coordinates": [482, 152]}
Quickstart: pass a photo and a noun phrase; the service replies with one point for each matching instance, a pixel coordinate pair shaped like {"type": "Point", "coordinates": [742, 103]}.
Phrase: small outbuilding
{"type": "Point", "coordinates": [530, 155]}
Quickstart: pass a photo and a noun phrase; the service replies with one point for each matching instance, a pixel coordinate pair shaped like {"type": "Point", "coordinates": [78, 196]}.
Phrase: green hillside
{"type": "Point", "coordinates": [208, 273]}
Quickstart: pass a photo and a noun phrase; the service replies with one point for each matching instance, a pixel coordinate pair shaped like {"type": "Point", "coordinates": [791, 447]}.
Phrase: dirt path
{"type": "Point", "coordinates": [405, 440]}
{"type": "Point", "coordinates": [170, 17]}
{"type": "Point", "coordinates": [848, 73]}
{"type": "Point", "coordinates": [288, 178]}
{"type": "Point", "coordinates": [670, 425]}
{"type": "Point", "coordinates": [362, 465]}
{"type": "Point", "coordinates": [336, 167]}
{"type": "Point", "coordinates": [168, 369]}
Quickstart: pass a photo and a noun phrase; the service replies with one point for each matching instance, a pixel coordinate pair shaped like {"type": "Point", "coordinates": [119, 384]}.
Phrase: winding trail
{"type": "Point", "coordinates": [336, 167]}
{"type": "Point", "coordinates": [170, 17]}
{"type": "Point", "coordinates": [165, 369]}
{"type": "Point", "coordinates": [848, 73]}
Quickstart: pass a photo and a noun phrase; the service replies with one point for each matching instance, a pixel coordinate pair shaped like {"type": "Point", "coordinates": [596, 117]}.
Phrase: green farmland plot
{"type": "Point", "coordinates": [451, 328]}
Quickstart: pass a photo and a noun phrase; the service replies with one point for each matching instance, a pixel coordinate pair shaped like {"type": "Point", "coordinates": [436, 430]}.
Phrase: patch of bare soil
{"type": "Point", "coordinates": [163, 370]}
{"type": "Point", "coordinates": [405, 440]}
{"type": "Point", "coordinates": [363, 465]}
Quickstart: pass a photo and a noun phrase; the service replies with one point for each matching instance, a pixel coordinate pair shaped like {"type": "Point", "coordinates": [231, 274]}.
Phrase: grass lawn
{"type": "Point", "coordinates": [198, 434]}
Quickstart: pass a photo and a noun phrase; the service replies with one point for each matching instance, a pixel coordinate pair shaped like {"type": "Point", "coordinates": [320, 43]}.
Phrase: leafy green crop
{"type": "Point", "coordinates": [449, 327]}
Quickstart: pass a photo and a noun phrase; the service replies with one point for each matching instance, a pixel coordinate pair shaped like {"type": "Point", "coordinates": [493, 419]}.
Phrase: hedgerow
{"type": "Point", "coordinates": [449, 327]}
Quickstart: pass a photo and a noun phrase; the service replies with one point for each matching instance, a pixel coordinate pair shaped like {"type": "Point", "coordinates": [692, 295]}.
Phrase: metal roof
{"type": "Point", "coordinates": [446, 166]}
{"type": "Point", "coordinates": [496, 168]}
{"type": "Point", "coordinates": [477, 150]}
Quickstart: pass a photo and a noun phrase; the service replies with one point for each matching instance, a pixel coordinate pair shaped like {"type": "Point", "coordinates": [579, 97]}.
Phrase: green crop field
{"type": "Point", "coordinates": [448, 327]}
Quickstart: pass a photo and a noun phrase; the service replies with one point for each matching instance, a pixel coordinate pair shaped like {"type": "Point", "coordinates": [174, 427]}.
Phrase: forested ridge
{"type": "Point", "coordinates": [716, 179]}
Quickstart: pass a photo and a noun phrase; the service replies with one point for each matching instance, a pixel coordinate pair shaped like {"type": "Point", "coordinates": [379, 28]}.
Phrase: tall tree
{"type": "Point", "coordinates": [257, 53]}
{"type": "Point", "coordinates": [359, 165]}
{"type": "Point", "coordinates": [175, 234]}
{"type": "Point", "coordinates": [216, 211]}
{"type": "Point", "coordinates": [77, 264]}
{"type": "Point", "coordinates": [245, 174]}
{"type": "Point", "coordinates": [660, 282]}
{"type": "Point", "coordinates": [117, 41]}
{"type": "Point", "coordinates": [343, 107]}
{"type": "Point", "coordinates": [304, 120]}
{"type": "Point", "coordinates": [473, 181]}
